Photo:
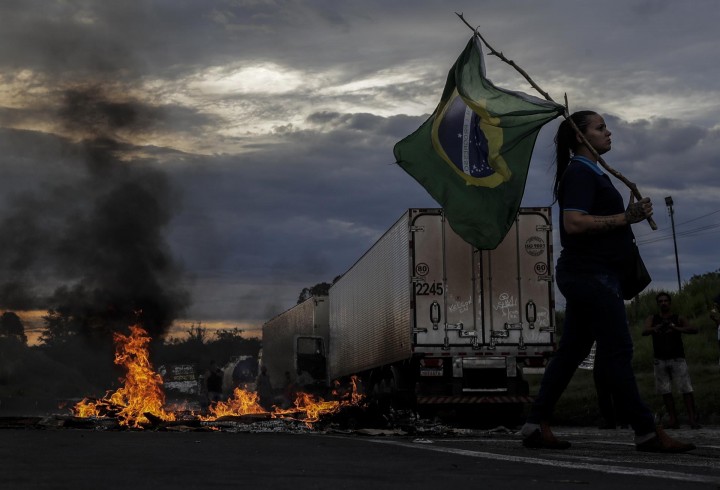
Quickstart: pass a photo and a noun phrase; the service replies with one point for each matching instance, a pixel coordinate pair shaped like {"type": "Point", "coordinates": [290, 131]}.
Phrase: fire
{"type": "Point", "coordinates": [307, 407]}
{"type": "Point", "coordinates": [142, 393]}
{"type": "Point", "coordinates": [313, 408]}
{"type": "Point", "coordinates": [242, 402]}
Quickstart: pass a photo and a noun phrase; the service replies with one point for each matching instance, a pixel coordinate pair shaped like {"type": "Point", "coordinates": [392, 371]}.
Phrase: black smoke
{"type": "Point", "coordinates": [88, 239]}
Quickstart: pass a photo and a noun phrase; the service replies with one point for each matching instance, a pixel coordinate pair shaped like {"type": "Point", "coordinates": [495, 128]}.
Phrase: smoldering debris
{"type": "Point", "coordinates": [405, 424]}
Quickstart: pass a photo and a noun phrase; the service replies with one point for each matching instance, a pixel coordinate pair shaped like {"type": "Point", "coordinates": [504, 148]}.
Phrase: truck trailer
{"type": "Point", "coordinates": [425, 316]}
{"type": "Point", "coordinates": [295, 342]}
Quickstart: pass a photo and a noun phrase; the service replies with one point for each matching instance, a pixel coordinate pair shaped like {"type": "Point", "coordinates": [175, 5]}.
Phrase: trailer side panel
{"type": "Point", "coordinates": [370, 307]}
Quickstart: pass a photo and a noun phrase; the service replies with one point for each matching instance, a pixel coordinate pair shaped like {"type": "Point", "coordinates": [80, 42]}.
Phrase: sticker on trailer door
{"type": "Point", "coordinates": [422, 269]}
{"type": "Point", "coordinates": [541, 268]}
{"type": "Point", "coordinates": [535, 246]}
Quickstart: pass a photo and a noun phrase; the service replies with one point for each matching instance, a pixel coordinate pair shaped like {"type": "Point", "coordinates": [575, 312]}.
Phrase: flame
{"type": "Point", "coordinates": [142, 392]}
{"type": "Point", "coordinates": [242, 402]}
{"type": "Point", "coordinates": [142, 395]}
{"type": "Point", "coordinates": [312, 408]}
{"type": "Point", "coordinates": [307, 408]}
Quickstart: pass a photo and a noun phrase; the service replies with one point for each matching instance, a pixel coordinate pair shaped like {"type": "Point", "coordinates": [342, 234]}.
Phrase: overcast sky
{"type": "Point", "coordinates": [263, 130]}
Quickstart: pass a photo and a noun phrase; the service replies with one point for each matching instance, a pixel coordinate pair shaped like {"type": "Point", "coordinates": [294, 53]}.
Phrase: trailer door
{"type": "Point", "coordinates": [443, 282]}
{"type": "Point", "coordinates": [517, 284]}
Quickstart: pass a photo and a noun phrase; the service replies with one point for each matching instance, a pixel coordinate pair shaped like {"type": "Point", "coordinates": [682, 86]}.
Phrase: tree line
{"type": "Point", "coordinates": [67, 363]}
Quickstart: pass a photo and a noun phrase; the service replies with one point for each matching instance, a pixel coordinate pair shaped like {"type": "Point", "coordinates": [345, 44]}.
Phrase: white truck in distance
{"type": "Point", "coordinates": [424, 316]}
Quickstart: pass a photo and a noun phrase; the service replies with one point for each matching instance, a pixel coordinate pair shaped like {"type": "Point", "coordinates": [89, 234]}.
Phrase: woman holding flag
{"type": "Point", "coordinates": [597, 243]}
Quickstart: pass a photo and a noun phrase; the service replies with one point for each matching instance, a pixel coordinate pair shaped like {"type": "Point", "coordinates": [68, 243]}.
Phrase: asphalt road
{"type": "Point", "coordinates": [270, 457]}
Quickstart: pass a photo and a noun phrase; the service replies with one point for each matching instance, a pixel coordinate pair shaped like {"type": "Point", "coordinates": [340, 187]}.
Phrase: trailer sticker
{"type": "Point", "coordinates": [422, 269]}
{"type": "Point", "coordinates": [507, 305]}
{"type": "Point", "coordinates": [535, 246]}
{"type": "Point", "coordinates": [541, 268]}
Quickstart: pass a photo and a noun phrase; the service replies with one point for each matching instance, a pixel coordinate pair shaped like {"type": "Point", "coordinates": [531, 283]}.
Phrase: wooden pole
{"type": "Point", "coordinates": [566, 114]}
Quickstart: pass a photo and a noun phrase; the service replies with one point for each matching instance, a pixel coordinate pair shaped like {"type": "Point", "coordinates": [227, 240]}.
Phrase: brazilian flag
{"type": "Point", "coordinates": [472, 155]}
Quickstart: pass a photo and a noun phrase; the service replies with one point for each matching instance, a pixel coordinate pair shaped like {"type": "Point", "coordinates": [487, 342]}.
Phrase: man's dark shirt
{"type": "Point", "coordinates": [667, 343]}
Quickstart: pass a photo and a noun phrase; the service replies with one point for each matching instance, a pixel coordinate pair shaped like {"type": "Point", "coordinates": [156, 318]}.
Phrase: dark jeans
{"type": "Point", "coordinates": [606, 403]}
{"type": "Point", "coordinates": [595, 312]}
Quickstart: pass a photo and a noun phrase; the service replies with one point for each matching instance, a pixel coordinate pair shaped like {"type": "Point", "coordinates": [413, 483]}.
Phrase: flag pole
{"type": "Point", "coordinates": [566, 114]}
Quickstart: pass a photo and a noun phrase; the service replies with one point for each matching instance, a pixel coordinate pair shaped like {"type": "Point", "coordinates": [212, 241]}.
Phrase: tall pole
{"type": "Point", "coordinates": [669, 203]}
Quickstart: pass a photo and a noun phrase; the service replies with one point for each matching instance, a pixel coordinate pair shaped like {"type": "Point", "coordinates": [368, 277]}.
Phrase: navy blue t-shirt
{"type": "Point", "coordinates": [584, 187]}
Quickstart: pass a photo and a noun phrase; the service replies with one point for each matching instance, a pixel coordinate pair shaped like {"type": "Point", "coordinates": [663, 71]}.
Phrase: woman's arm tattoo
{"type": "Point", "coordinates": [634, 213]}
{"type": "Point", "coordinates": [603, 224]}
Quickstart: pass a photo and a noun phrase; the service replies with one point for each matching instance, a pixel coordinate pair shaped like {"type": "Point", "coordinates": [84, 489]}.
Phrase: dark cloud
{"type": "Point", "coordinates": [263, 191]}
{"type": "Point", "coordinates": [663, 136]}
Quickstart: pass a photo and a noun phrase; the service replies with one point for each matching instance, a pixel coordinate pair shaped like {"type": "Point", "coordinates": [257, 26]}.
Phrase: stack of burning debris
{"type": "Point", "coordinates": [140, 402]}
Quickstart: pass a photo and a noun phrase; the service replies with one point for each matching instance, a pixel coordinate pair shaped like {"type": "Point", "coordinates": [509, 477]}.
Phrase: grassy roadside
{"type": "Point", "coordinates": [578, 405]}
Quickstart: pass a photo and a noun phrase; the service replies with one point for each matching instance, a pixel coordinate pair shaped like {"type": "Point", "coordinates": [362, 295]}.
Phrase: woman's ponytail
{"type": "Point", "coordinates": [566, 144]}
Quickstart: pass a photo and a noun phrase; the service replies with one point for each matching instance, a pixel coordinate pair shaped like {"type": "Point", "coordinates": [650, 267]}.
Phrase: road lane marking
{"type": "Point", "coordinates": [634, 457]}
{"type": "Point", "coordinates": [614, 469]}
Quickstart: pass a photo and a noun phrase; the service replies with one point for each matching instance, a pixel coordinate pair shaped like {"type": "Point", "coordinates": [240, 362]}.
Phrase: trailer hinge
{"type": "Point", "coordinates": [454, 326]}
{"type": "Point", "coordinates": [450, 327]}
{"type": "Point", "coordinates": [547, 329]}
{"type": "Point", "coordinates": [499, 334]}
{"type": "Point", "coordinates": [546, 278]}
{"type": "Point", "coordinates": [419, 330]}
{"type": "Point", "coordinates": [475, 342]}
{"type": "Point", "coordinates": [543, 228]}
{"type": "Point", "coordinates": [513, 326]}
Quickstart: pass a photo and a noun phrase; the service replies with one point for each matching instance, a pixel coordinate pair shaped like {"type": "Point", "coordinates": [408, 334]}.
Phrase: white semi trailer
{"type": "Point", "coordinates": [424, 314]}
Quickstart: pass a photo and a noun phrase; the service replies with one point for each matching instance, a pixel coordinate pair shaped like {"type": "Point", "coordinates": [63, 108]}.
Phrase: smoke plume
{"type": "Point", "coordinates": [89, 241]}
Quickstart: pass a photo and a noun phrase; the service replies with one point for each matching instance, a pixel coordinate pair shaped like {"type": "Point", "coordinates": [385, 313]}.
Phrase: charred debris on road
{"type": "Point", "coordinates": [351, 421]}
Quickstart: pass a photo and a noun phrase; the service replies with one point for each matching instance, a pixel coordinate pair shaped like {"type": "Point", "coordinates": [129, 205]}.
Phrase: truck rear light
{"type": "Point", "coordinates": [431, 362]}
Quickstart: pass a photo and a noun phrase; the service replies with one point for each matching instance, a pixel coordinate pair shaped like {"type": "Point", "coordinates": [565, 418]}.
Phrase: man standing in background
{"type": "Point", "coordinates": [666, 329]}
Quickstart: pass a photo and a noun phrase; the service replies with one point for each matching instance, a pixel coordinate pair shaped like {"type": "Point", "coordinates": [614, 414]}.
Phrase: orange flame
{"type": "Point", "coordinates": [313, 408]}
{"type": "Point", "coordinates": [142, 391]}
{"type": "Point", "coordinates": [307, 407]}
{"type": "Point", "coordinates": [142, 394]}
{"type": "Point", "coordinates": [242, 402]}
